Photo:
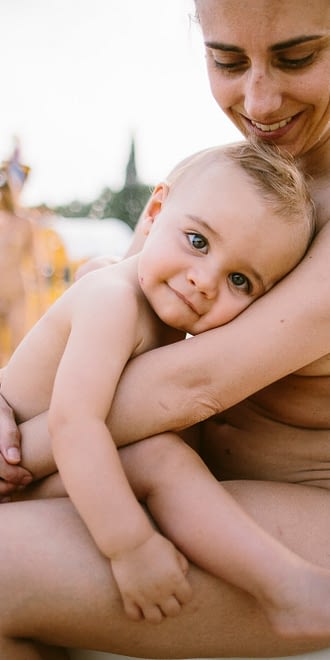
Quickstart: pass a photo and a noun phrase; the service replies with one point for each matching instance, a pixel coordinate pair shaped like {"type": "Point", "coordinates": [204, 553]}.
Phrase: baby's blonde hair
{"type": "Point", "coordinates": [275, 175]}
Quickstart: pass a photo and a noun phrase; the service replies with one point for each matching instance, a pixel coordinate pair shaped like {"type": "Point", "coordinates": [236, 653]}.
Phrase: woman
{"type": "Point", "coordinates": [18, 248]}
{"type": "Point", "coordinates": [269, 68]}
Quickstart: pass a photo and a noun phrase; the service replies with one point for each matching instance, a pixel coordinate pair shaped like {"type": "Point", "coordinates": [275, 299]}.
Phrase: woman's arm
{"type": "Point", "coordinates": [178, 385]}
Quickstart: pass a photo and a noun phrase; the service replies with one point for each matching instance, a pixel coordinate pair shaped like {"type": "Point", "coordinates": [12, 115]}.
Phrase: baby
{"type": "Point", "coordinates": [227, 225]}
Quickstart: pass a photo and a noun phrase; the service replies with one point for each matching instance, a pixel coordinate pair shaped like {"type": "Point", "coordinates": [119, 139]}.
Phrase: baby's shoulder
{"type": "Point", "coordinates": [112, 289]}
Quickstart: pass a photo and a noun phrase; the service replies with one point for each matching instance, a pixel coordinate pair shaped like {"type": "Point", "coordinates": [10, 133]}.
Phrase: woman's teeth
{"type": "Point", "coordinates": [271, 127]}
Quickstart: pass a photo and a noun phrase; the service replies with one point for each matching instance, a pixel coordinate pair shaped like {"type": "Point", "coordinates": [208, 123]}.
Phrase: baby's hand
{"type": "Point", "coordinates": [152, 580]}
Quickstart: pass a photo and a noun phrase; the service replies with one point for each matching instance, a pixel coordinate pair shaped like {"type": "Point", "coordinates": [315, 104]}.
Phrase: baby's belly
{"type": "Point", "coordinates": [254, 440]}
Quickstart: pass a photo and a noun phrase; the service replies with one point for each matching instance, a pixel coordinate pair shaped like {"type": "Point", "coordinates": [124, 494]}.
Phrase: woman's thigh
{"type": "Point", "coordinates": [98, 655]}
{"type": "Point", "coordinates": [56, 587]}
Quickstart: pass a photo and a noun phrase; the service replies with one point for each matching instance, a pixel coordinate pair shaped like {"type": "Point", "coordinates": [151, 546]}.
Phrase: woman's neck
{"type": "Point", "coordinates": [316, 162]}
{"type": "Point", "coordinates": [316, 165]}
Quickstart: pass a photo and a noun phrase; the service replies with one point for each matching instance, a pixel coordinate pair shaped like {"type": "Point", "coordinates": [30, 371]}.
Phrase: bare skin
{"type": "Point", "coordinates": [219, 279]}
{"type": "Point", "coordinates": [161, 471]}
{"type": "Point", "coordinates": [278, 455]}
{"type": "Point", "coordinates": [76, 607]}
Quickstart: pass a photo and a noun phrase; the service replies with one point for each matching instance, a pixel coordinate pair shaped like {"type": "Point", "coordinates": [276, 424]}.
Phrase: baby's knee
{"type": "Point", "coordinates": [153, 451]}
{"type": "Point", "coordinates": [164, 451]}
{"type": "Point", "coordinates": [152, 461]}
{"type": "Point", "coordinates": [168, 458]}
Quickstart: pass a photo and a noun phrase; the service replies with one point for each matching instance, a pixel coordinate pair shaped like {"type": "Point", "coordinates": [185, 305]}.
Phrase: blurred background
{"type": "Point", "coordinates": [100, 99]}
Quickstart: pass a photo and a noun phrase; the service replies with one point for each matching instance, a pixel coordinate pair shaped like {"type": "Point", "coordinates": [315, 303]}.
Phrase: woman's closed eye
{"type": "Point", "coordinates": [282, 60]}
{"type": "Point", "coordinates": [229, 65]}
{"type": "Point", "coordinates": [198, 242]}
{"type": "Point", "coordinates": [241, 282]}
{"type": "Point", "coordinates": [295, 62]}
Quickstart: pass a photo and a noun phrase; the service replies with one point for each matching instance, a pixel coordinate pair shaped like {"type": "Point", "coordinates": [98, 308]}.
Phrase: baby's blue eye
{"type": "Point", "coordinates": [197, 241]}
{"type": "Point", "coordinates": [240, 281]}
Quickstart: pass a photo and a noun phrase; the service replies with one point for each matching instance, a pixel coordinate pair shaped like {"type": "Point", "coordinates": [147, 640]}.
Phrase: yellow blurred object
{"type": "Point", "coordinates": [56, 273]}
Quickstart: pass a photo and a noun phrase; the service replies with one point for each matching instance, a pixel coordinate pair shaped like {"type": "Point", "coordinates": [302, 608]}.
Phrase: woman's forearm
{"type": "Point", "coordinates": [175, 386]}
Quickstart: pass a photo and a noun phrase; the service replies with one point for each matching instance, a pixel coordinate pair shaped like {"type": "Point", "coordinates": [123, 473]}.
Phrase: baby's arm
{"type": "Point", "coordinates": [194, 510]}
{"type": "Point", "coordinates": [102, 337]}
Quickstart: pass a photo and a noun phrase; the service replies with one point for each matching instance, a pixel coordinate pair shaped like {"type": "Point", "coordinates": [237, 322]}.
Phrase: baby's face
{"type": "Point", "coordinates": [214, 248]}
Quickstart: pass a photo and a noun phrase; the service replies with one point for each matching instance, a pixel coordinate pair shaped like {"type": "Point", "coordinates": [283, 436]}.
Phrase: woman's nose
{"type": "Point", "coordinates": [262, 95]}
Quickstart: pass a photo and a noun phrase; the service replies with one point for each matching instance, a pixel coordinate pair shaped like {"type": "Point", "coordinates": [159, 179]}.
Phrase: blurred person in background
{"type": "Point", "coordinates": [18, 256]}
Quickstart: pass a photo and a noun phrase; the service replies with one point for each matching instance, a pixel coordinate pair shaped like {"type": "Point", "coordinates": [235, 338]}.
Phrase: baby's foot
{"type": "Point", "coordinates": [302, 610]}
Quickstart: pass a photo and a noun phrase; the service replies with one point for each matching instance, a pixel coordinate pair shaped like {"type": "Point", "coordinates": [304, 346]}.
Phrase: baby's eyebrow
{"type": "Point", "coordinates": [204, 224]}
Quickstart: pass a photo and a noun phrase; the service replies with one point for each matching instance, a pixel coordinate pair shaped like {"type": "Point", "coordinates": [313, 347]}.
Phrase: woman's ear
{"type": "Point", "coordinates": [154, 206]}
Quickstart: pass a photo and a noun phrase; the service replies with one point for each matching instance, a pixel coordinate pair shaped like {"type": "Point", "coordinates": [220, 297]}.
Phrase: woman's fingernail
{"type": "Point", "coordinates": [13, 453]}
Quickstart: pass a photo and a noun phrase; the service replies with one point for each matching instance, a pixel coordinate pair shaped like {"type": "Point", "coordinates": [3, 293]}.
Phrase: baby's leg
{"type": "Point", "coordinates": [47, 487]}
{"type": "Point", "coordinates": [37, 455]}
{"type": "Point", "coordinates": [192, 508]}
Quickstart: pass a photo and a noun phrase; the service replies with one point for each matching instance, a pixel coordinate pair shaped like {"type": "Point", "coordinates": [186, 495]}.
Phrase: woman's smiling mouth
{"type": "Point", "coordinates": [271, 127]}
{"type": "Point", "coordinates": [274, 130]}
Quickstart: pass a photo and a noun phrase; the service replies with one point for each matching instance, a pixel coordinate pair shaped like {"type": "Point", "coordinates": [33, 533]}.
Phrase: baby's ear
{"type": "Point", "coordinates": [154, 206]}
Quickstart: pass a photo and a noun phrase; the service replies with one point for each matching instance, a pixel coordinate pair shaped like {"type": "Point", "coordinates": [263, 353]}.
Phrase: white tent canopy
{"type": "Point", "coordinates": [87, 238]}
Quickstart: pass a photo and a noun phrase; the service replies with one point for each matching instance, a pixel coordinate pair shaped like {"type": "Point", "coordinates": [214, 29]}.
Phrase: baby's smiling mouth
{"type": "Point", "coordinates": [186, 301]}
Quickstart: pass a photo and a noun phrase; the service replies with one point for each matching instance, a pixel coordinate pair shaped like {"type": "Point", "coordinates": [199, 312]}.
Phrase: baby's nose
{"type": "Point", "coordinates": [206, 281]}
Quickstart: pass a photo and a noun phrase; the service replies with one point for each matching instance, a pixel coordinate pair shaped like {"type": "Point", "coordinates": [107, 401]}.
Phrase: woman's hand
{"type": "Point", "coordinates": [11, 474]}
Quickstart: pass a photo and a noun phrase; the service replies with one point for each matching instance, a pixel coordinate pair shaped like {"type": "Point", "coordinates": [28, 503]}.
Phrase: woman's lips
{"type": "Point", "coordinates": [267, 128]}
{"type": "Point", "coordinates": [271, 131]}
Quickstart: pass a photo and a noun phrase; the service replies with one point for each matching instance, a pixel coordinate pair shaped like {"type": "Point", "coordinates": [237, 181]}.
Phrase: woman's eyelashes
{"type": "Point", "coordinates": [280, 61]}
{"type": "Point", "coordinates": [235, 66]}
{"type": "Point", "coordinates": [295, 63]}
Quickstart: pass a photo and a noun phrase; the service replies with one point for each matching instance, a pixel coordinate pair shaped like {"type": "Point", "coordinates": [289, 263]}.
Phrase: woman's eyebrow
{"type": "Point", "coordinates": [218, 45]}
{"type": "Point", "coordinates": [281, 45]}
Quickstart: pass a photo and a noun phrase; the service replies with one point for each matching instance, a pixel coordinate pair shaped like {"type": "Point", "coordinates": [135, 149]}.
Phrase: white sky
{"type": "Point", "coordinates": [80, 77]}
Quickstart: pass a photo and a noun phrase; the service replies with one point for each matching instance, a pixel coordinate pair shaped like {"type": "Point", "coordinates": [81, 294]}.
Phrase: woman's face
{"type": "Point", "coordinates": [269, 67]}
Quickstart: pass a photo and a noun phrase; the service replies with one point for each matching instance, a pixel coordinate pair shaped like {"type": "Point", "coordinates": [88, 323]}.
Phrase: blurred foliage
{"type": "Point", "coordinates": [128, 203]}
{"type": "Point", "coordinates": [125, 204]}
